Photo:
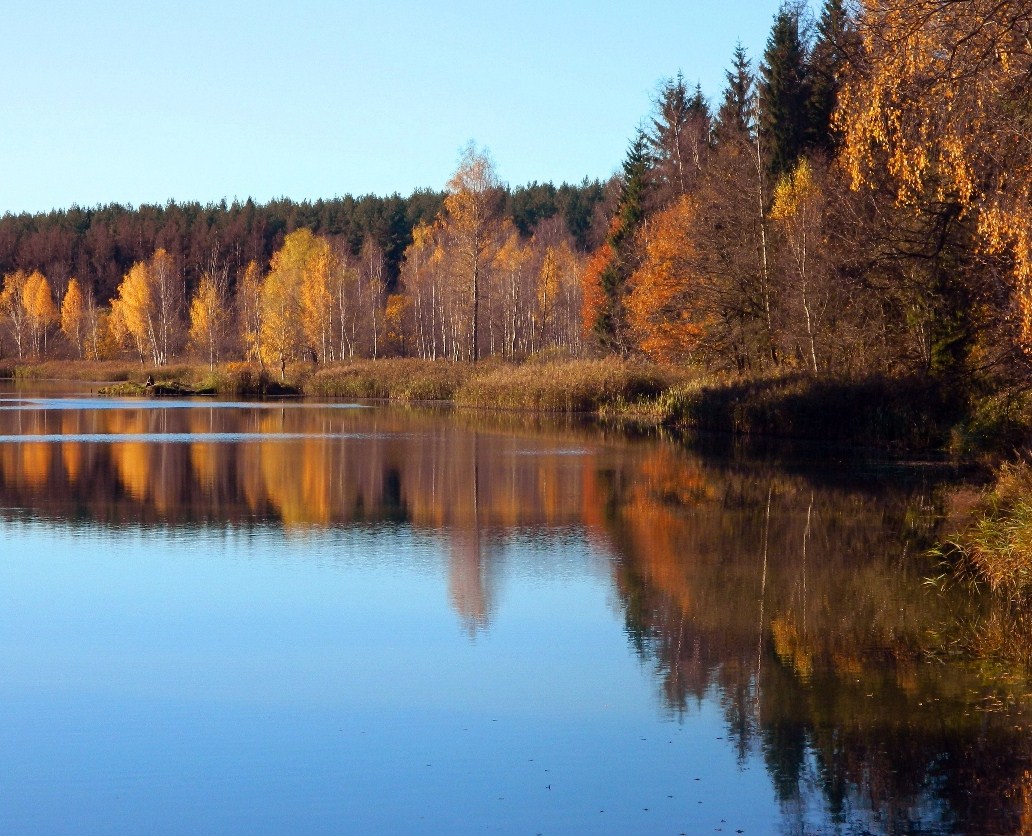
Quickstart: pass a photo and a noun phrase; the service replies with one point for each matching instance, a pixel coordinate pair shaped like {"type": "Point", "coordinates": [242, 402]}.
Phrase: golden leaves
{"type": "Point", "coordinates": [942, 108]}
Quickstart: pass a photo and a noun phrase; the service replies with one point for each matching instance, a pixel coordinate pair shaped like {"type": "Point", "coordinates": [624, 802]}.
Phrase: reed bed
{"type": "Point", "coordinates": [995, 550]}
{"type": "Point", "coordinates": [564, 386]}
{"type": "Point", "coordinates": [397, 379]}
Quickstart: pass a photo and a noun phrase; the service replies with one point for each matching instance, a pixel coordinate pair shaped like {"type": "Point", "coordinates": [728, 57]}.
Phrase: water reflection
{"type": "Point", "coordinates": [797, 596]}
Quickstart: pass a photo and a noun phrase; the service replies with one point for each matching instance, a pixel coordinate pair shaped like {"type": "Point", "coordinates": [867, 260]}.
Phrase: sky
{"type": "Point", "coordinates": [132, 103]}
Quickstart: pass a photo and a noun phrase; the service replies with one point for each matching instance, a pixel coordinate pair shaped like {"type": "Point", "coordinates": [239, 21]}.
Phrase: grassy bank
{"type": "Point", "coordinates": [995, 548]}
{"type": "Point", "coordinates": [401, 379]}
{"type": "Point", "coordinates": [911, 414]}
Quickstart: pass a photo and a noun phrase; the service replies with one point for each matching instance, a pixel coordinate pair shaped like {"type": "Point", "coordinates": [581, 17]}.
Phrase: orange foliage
{"type": "Point", "coordinates": [593, 296]}
{"type": "Point", "coordinates": [662, 305]}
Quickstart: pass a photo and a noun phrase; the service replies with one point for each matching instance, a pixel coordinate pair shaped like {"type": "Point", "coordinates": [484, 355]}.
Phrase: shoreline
{"type": "Point", "coordinates": [901, 415]}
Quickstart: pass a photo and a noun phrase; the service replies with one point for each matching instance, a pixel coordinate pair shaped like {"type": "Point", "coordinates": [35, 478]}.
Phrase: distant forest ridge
{"type": "Point", "coordinates": [99, 245]}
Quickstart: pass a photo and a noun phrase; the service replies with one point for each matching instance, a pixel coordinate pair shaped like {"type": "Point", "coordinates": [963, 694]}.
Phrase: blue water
{"type": "Point", "coordinates": [248, 681]}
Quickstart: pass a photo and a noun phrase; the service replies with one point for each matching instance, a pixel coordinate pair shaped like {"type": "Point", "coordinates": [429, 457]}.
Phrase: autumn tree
{"type": "Point", "coordinates": [514, 294]}
{"type": "Point", "coordinates": [132, 313]}
{"type": "Point", "coordinates": [937, 109]}
{"type": "Point", "coordinates": [668, 305]}
{"type": "Point", "coordinates": [421, 280]}
{"type": "Point", "coordinates": [168, 294]}
{"type": "Point", "coordinates": [371, 293]}
{"type": "Point", "coordinates": [249, 310]}
{"type": "Point", "coordinates": [471, 216]}
{"type": "Point", "coordinates": [73, 316]}
{"type": "Point", "coordinates": [147, 311]}
{"type": "Point", "coordinates": [12, 305]}
{"type": "Point", "coordinates": [209, 315]}
{"type": "Point", "coordinates": [798, 208]}
{"type": "Point", "coordinates": [283, 331]}
{"type": "Point", "coordinates": [40, 311]}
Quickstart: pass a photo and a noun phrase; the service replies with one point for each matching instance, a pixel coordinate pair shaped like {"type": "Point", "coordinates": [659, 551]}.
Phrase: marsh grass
{"type": "Point", "coordinates": [995, 549]}
{"type": "Point", "coordinates": [398, 379]}
{"type": "Point", "coordinates": [562, 386]}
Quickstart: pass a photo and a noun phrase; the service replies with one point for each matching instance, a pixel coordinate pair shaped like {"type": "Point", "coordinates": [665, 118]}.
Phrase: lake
{"type": "Point", "coordinates": [234, 617]}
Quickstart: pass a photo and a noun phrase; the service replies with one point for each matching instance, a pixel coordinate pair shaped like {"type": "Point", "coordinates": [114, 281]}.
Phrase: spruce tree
{"type": "Point", "coordinates": [611, 326]}
{"type": "Point", "coordinates": [679, 139]}
{"type": "Point", "coordinates": [737, 106]}
{"type": "Point", "coordinates": [784, 90]}
{"type": "Point", "coordinates": [836, 34]}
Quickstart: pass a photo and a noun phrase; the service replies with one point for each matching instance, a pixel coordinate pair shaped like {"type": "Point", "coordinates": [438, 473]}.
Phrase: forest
{"type": "Point", "coordinates": [857, 201]}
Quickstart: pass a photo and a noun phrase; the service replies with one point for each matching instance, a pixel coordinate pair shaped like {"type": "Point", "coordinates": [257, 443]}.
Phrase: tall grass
{"type": "Point", "coordinates": [995, 550]}
{"type": "Point", "coordinates": [567, 386]}
{"type": "Point", "coordinates": [399, 379]}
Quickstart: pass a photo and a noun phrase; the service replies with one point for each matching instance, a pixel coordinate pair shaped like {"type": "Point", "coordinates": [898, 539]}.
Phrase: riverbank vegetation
{"type": "Point", "coordinates": [836, 246]}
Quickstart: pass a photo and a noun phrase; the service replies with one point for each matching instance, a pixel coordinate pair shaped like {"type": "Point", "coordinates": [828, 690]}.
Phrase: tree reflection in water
{"type": "Point", "coordinates": [796, 595]}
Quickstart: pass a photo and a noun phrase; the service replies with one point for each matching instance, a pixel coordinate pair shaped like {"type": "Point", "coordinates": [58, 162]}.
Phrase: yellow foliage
{"type": "Point", "coordinates": [208, 317]}
{"type": "Point", "coordinates": [132, 311]}
{"type": "Point", "coordinates": [73, 315]}
{"type": "Point", "coordinates": [942, 107]}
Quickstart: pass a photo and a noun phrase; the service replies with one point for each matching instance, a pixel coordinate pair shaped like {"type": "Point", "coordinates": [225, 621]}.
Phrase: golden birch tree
{"type": "Point", "coordinates": [132, 313]}
{"type": "Point", "coordinates": [798, 209]}
{"type": "Point", "coordinates": [73, 316]}
{"type": "Point", "coordinates": [12, 306]}
{"type": "Point", "coordinates": [40, 311]}
{"type": "Point", "coordinates": [471, 217]}
{"type": "Point", "coordinates": [939, 102]}
{"type": "Point", "coordinates": [209, 316]}
{"type": "Point", "coordinates": [249, 310]}
{"type": "Point", "coordinates": [283, 336]}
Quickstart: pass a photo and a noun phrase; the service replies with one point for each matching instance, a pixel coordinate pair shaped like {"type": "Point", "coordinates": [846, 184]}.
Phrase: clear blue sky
{"type": "Point", "coordinates": [136, 102]}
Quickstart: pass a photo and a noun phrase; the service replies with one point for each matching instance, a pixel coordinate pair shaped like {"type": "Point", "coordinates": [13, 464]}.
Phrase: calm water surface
{"type": "Point", "coordinates": [238, 618]}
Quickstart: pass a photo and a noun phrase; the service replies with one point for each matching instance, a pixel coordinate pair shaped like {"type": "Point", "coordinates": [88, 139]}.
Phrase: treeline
{"type": "Point", "coordinates": [97, 247]}
{"type": "Point", "coordinates": [859, 202]}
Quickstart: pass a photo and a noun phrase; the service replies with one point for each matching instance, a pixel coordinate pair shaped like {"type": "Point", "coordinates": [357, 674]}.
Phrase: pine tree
{"type": "Point", "coordinates": [784, 90]}
{"type": "Point", "coordinates": [679, 139]}
{"type": "Point", "coordinates": [738, 105]}
{"type": "Point", "coordinates": [836, 34]}
{"type": "Point", "coordinates": [609, 323]}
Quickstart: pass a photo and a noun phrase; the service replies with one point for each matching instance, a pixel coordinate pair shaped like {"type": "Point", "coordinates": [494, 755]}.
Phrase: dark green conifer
{"type": "Point", "coordinates": [836, 35]}
{"type": "Point", "coordinates": [611, 325]}
{"type": "Point", "coordinates": [738, 104]}
{"type": "Point", "coordinates": [679, 138]}
{"type": "Point", "coordinates": [784, 91]}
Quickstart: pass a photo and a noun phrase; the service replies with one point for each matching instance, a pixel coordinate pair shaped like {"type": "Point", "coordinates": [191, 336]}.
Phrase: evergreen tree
{"type": "Point", "coordinates": [784, 91]}
{"type": "Point", "coordinates": [610, 326]}
{"type": "Point", "coordinates": [738, 105]}
{"type": "Point", "coordinates": [835, 35]}
{"type": "Point", "coordinates": [679, 139]}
